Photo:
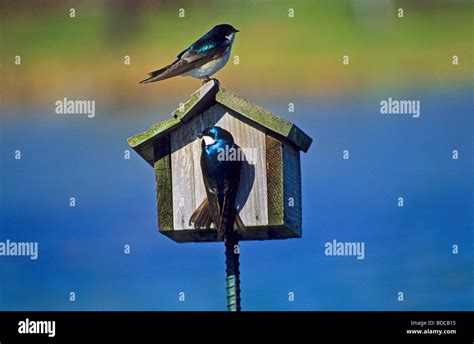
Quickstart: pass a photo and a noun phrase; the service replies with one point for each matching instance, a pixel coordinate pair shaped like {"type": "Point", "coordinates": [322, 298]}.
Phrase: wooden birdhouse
{"type": "Point", "coordinates": [269, 195]}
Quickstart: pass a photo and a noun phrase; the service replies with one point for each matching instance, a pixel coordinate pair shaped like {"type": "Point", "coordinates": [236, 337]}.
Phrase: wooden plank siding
{"type": "Point", "coordinates": [275, 202]}
{"type": "Point", "coordinates": [163, 193]}
{"type": "Point", "coordinates": [292, 188]}
{"type": "Point", "coordinates": [187, 185]}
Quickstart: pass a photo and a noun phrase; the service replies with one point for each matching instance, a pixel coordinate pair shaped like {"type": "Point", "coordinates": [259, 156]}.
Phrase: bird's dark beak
{"type": "Point", "coordinates": [237, 30]}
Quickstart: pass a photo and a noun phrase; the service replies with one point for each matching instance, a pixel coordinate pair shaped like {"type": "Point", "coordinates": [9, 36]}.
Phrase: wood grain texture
{"type": "Point", "coordinates": [274, 158]}
{"type": "Point", "coordinates": [187, 185]}
{"type": "Point", "coordinates": [164, 193]}
{"type": "Point", "coordinates": [200, 101]}
{"type": "Point", "coordinates": [292, 188]}
{"type": "Point", "coordinates": [259, 115]}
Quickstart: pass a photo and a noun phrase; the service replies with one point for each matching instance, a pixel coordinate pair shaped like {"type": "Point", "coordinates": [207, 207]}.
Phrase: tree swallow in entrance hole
{"type": "Point", "coordinates": [202, 59]}
{"type": "Point", "coordinates": [221, 178]}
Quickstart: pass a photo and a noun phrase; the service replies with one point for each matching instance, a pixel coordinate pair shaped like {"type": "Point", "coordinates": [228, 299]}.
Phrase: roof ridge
{"type": "Point", "coordinates": [206, 96]}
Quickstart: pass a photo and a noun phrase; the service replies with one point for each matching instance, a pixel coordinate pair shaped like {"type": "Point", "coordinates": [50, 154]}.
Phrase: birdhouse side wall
{"type": "Point", "coordinates": [292, 188]}
{"type": "Point", "coordinates": [275, 192]}
{"type": "Point", "coordinates": [162, 165]}
{"type": "Point", "coordinates": [164, 193]}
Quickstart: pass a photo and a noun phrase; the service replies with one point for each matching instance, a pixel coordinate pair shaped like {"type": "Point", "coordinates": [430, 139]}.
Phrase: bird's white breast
{"type": "Point", "coordinates": [208, 69]}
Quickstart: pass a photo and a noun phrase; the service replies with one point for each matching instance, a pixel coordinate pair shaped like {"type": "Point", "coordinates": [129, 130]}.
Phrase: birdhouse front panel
{"type": "Point", "coordinates": [187, 183]}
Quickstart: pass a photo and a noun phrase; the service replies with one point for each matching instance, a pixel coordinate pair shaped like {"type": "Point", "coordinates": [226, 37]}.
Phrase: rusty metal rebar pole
{"type": "Point", "coordinates": [233, 274]}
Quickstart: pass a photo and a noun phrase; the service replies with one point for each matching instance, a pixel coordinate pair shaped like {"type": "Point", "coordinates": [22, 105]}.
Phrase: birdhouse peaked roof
{"type": "Point", "coordinates": [205, 97]}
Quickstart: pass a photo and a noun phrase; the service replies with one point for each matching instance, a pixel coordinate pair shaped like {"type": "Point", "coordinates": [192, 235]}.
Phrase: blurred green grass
{"type": "Point", "coordinates": [278, 54]}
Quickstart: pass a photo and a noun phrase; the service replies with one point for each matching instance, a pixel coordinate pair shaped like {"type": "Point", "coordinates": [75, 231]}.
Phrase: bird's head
{"type": "Point", "coordinates": [225, 30]}
{"type": "Point", "coordinates": [213, 134]}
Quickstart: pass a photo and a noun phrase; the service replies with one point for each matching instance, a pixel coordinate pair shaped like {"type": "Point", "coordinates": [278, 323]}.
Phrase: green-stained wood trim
{"type": "Point", "coordinates": [200, 100]}
{"type": "Point", "coordinates": [265, 118]}
{"type": "Point", "coordinates": [145, 143]}
{"type": "Point", "coordinates": [164, 193]}
{"type": "Point", "coordinates": [292, 188]}
{"type": "Point", "coordinates": [275, 186]}
{"type": "Point", "coordinates": [253, 112]}
{"type": "Point", "coordinates": [155, 130]}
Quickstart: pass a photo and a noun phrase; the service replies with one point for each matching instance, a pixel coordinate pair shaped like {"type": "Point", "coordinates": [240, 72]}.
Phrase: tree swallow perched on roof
{"type": "Point", "coordinates": [203, 58]}
{"type": "Point", "coordinates": [221, 175]}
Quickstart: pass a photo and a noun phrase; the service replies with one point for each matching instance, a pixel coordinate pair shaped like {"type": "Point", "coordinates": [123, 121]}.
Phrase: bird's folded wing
{"type": "Point", "coordinates": [206, 42]}
{"type": "Point", "coordinates": [191, 59]}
